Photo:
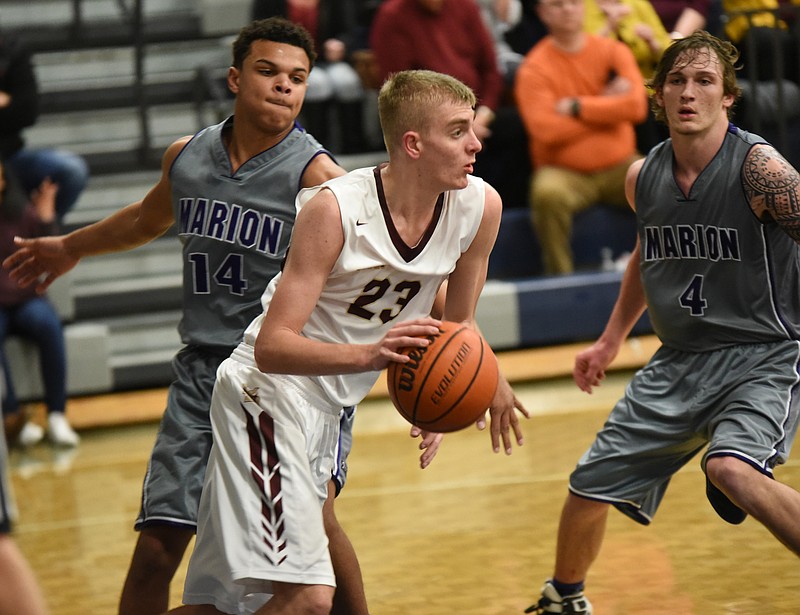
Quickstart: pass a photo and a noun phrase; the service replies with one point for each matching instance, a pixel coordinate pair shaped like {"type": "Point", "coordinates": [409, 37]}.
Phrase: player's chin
{"type": "Point", "coordinates": [279, 117]}
{"type": "Point", "coordinates": [461, 181]}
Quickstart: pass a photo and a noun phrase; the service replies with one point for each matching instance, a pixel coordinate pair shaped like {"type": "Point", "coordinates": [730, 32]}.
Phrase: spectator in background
{"type": "Point", "coordinates": [501, 16]}
{"type": "Point", "coordinates": [684, 17]}
{"type": "Point", "coordinates": [450, 37]}
{"type": "Point", "coordinates": [580, 96]}
{"type": "Point", "coordinates": [635, 23]}
{"type": "Point", "coordinates": [19, 109]}
{"type": "Point", "coordinates": [30, 315]}
{"type": "Point", "coordinates": [335, 96]}
{"type": "Point", "coordinates": [757, 30]}
{"type": "Point", "coordinates": [447, 36]}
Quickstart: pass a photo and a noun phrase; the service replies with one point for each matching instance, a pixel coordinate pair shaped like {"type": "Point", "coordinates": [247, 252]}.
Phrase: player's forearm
{"type": "Point", "coordinates": [121, 231]}
{"type": "Point", "coordinates": [290, 353]}
{"type": "Point", "coordinates": [630, 304]}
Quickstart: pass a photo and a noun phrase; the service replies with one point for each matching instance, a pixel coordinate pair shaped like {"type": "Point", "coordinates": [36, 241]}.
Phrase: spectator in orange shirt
{"type": "Point", "coordinates": [580, 96]}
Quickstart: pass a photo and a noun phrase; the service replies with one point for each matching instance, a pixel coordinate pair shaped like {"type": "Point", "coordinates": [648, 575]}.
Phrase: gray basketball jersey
{"type": "Point", "coordinates": [714, 275]}
{"type": "Point", "coordinates": [234, 228]}
{"type": "Point", "coordinates": [378, 280]}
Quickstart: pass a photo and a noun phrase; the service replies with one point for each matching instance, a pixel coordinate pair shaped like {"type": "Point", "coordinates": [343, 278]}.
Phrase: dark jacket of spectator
{"type": "Point", "coordinates": [454, 40]}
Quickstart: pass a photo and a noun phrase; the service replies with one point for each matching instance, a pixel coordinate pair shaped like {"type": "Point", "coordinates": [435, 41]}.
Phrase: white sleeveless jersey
{"type": "Point", "coordinates": [378, 280]}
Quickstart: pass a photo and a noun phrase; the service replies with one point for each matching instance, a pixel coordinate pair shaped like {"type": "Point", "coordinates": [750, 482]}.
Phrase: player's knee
{"type": "Point", "coordinates": [158, 554]}
{"type": "Point", "coordinates": [727, 472]}
{"type": "Point", "coordinates": [321, 604]}
{"type": "Point", "coordinates": [307, 599]}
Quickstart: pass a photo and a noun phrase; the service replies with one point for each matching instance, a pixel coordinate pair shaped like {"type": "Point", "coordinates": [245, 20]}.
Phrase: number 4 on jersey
{"type": "Point", "coordinates": [692, 298]}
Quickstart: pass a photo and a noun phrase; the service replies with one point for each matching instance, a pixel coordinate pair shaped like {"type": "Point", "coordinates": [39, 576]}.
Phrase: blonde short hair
{"type": "Point", "coordinates": [407, 97]}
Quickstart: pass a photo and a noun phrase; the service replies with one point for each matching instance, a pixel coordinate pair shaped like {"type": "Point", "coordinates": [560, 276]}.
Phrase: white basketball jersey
{"type": "Point", "coordinates": [378, 280]}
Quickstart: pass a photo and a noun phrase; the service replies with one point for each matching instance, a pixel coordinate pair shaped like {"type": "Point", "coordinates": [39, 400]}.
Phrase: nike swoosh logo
{"type": "Point", "coordinates": [360, 223]}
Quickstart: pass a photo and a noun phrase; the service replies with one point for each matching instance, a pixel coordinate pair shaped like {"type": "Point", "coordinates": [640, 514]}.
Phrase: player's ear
{"type": "Point", "coordinates": [233, 79]}
{"type": "Point", "coordinates": [412, 144]}
{"type": "Point", "coordinates": [658, 97]}
{"type": "Point", "coordinates": [728, 100]}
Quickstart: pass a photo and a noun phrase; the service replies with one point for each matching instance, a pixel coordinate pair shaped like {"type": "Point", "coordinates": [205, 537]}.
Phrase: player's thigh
{"type": "Point", "coordinates": [174, 481]}
{"type": "Point", "coordinates": [756, 415]}
{"type": "Point", "coordinates": [648, 436]}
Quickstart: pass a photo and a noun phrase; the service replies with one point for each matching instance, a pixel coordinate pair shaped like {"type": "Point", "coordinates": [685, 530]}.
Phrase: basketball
{"type": "Point", "coordinates": [447, 385]}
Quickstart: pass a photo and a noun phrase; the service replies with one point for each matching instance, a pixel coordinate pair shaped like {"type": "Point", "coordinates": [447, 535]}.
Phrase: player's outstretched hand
{"type": "Point", "coordinates": [504, 419]}
{"type": "Point", "coordinates": [590, 365]}
{"type": "Point", "coordinates": [38, 261]}
{"type": "Point", "coordinates": [429, 445]}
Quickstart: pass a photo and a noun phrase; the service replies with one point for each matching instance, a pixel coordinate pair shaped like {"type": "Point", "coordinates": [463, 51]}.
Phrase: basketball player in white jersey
{"type": "Point", "coordinates": [369, 253]}
{"type": "Point", "coordinates": [717, 266]}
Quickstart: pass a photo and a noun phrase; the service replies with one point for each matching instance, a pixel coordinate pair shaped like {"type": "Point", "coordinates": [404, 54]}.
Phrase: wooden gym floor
{"type": "Point", "coordinates": [474, 534]}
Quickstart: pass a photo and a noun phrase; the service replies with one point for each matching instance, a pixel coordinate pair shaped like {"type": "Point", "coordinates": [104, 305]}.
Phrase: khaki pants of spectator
{"type": "Point", "coordinates": [557, 194]}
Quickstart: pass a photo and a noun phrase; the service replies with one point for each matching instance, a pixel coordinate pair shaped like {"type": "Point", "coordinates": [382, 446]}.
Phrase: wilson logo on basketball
{"type": "Point", "coordinates": [408, 371]}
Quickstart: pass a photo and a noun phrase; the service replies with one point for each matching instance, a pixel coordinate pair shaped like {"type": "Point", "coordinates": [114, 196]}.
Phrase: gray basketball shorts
{"type": "Point", "coordinates": [346, 420]}
{"type": "Point", "coordinates": [740, 401]}
{"type": "Point", "coordinates": [174, 478]}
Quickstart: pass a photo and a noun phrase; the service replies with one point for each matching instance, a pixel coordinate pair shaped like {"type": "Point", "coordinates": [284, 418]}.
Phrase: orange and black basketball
{"type": "Point", "coordinates": [447, 385]}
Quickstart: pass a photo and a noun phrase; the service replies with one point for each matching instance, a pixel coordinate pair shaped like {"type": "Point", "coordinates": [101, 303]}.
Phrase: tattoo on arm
{"type": "Point", "coordinates": [772, 186]}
